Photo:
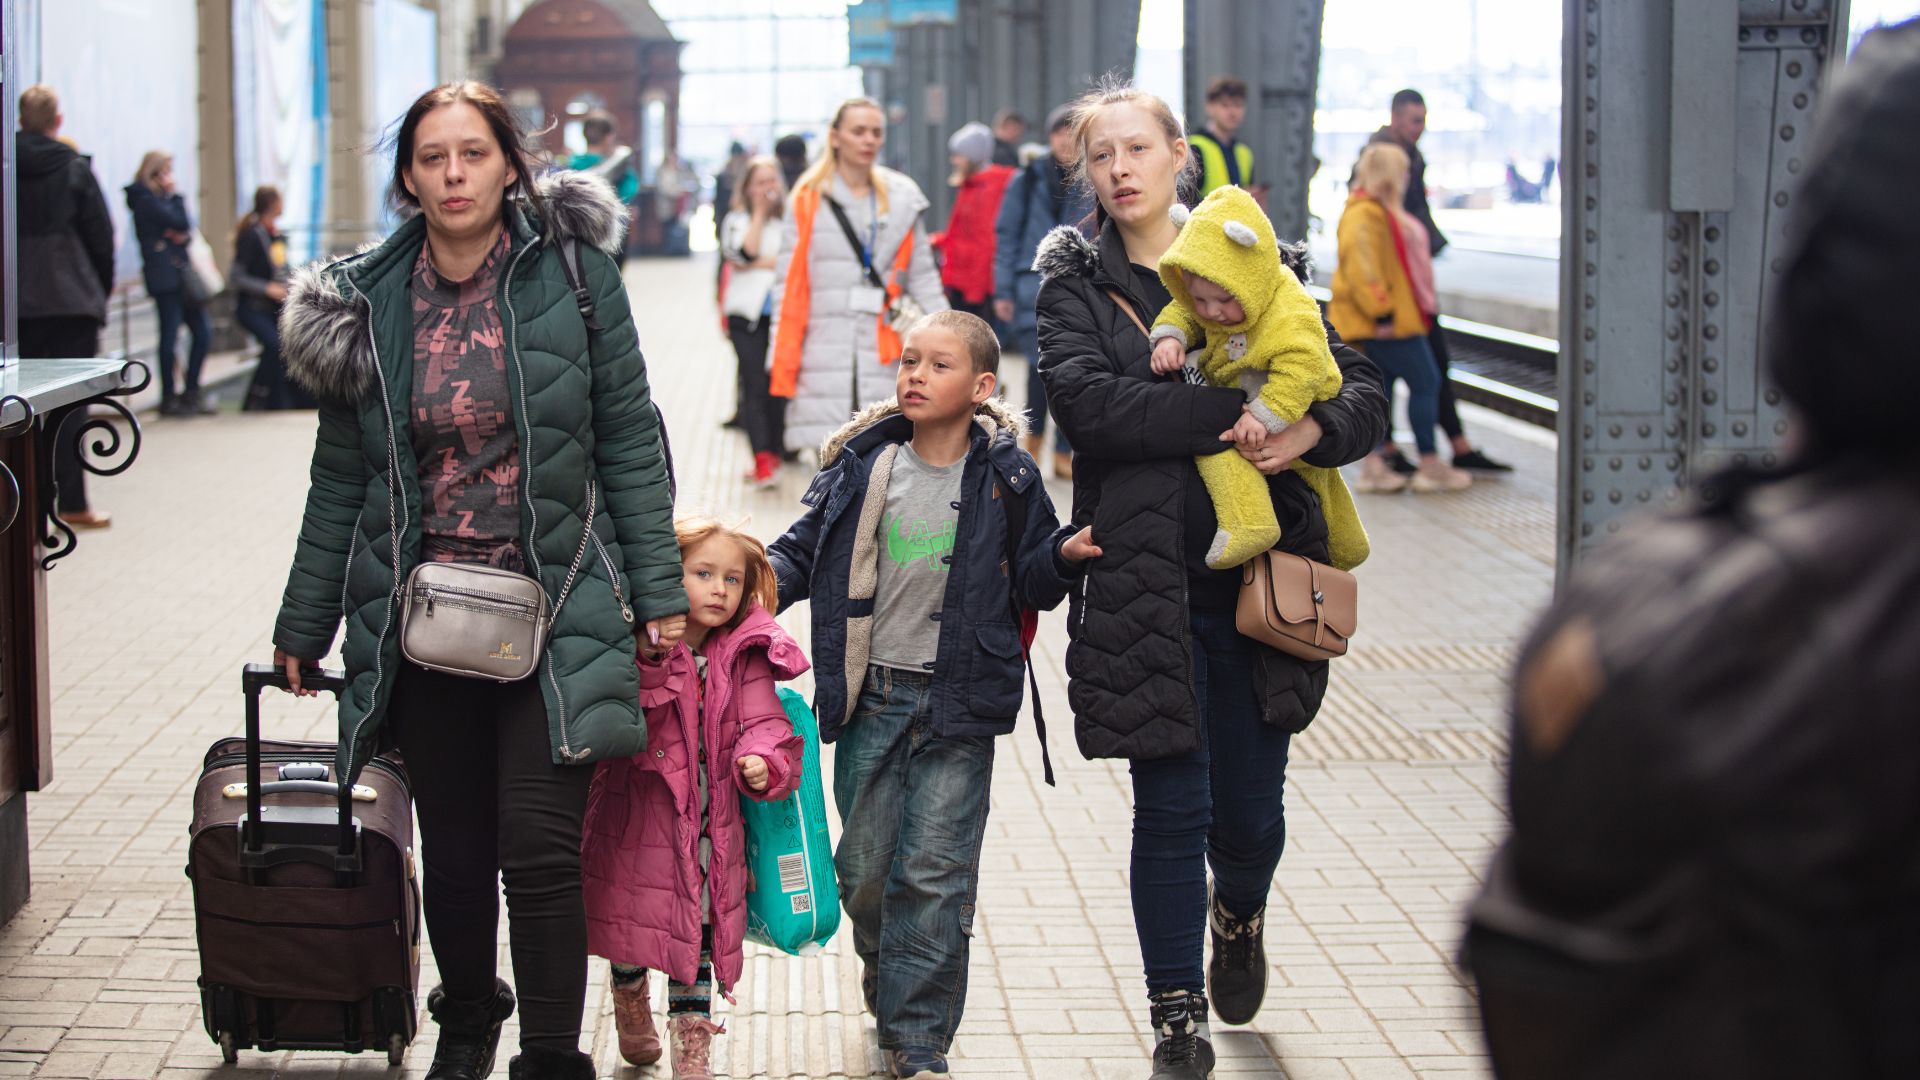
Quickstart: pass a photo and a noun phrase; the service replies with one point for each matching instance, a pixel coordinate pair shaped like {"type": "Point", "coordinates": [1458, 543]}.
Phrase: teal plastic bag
{"type": "Point", "coordinates": [794, 902]}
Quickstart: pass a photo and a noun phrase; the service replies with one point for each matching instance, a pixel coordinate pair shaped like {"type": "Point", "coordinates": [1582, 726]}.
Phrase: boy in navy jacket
{"type": "Point", "coordinates": [918, 658]}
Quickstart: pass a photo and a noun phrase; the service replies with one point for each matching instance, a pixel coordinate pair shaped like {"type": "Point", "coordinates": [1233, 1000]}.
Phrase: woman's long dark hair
{"type": "Point", "coordinates": [265, 197]}
{"type": "Point", "coordinates": [507, 130]}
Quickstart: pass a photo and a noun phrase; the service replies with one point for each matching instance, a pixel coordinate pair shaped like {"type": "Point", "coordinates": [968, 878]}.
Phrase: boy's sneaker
{"type": "Point", "coordinates": [1183, 1046]}
{"type": "Point", "coordinates": [1237, 975]}
{"type": "Point", "coordinates": [918, 1062]}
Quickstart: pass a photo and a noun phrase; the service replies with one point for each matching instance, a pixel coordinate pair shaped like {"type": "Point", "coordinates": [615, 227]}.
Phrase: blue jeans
{"type": "Point", "coordinates": [174, 310]}
{"type": "Point", "coordinates": [1029, 341]}
{"type": "Point", "coordinates": [913, 807]}
{"type": "Point", "coordinates": [1218, 806]}
{"type": "Point", "coordinates": [1411, 359]}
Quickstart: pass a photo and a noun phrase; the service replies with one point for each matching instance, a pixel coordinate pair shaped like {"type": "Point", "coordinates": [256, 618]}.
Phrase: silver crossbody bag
{"type": "Point", "coordinates": [483, 622]}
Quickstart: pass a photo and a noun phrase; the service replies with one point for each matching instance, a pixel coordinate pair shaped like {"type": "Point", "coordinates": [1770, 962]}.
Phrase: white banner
{"type": "Point", "coordinates": [280, 113]}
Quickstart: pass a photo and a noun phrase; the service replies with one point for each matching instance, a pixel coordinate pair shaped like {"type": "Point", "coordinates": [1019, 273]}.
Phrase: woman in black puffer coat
{"type": "Point", "coordinates": [1157, 672]}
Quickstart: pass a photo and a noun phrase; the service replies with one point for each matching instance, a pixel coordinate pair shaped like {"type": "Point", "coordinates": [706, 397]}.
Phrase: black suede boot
{"type": "Point", "coordinates": [1237, 977]}
{"type": "Point", "coordinates": [469, 1032]}
{"type": "Point", "coordinates": [546, 1063]}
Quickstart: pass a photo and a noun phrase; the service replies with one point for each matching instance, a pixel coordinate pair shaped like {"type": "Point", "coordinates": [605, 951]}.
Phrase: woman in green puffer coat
{"type": "Point", "coordinates": [468, 415]}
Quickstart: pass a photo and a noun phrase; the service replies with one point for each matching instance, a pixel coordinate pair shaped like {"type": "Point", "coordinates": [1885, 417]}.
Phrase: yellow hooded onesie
{"type": "Point", "coordinates": [1277, 356]}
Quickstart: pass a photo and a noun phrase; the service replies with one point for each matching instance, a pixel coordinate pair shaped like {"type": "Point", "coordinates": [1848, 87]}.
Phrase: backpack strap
{"type": "Point", "coordinates": [1016, 514]}
{"type": "Point", "coordinates": [576, 272]}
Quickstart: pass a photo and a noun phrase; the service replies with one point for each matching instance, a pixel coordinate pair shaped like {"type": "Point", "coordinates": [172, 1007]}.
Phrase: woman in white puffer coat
{"type": "Point", "coordinates": [833, 350]}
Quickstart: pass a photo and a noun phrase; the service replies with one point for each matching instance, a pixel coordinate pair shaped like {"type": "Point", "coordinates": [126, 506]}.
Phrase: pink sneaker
{"type": "Point", "coordinates": [692, 1037]}
{"type": "Point", "coordinates": [633, 1019]}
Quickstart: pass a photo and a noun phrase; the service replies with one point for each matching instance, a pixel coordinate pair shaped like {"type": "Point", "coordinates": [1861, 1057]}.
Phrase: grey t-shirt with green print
{"type": "Point", "coordinates": [916, 542]}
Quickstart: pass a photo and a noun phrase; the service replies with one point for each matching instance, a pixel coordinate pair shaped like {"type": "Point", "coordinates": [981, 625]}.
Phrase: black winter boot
{"type": "Point", "coordinates": [469, 1032]}
{"type": "Point", "coordinates": [1183, 1047]}
{"type": "Point", "coordinates": [546, 1063]}
{"type": "Point", "coordinates": [1237, 975]}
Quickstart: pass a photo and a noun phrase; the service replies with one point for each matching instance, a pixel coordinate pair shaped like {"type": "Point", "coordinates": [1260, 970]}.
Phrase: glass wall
{"type": "Point", "coordinates": [754, 70]}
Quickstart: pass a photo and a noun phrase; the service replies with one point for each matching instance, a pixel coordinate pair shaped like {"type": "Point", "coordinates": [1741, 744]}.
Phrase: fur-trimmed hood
{"type": "Point", "coordinates": [1066, 252]}
{"type": "Point", "coordinates": [993, 416]}
{"type": "Point", "coordinates": [324, 325]}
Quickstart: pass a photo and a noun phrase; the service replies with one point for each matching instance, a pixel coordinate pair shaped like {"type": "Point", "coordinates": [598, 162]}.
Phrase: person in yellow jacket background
{"type": "Point", "coordinates": [1383, 303]}
{"type": "Point", "coordinates": [1239, 302]}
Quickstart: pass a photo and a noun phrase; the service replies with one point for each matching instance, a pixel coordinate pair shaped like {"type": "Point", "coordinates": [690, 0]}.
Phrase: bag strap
{"type": "Point", "coordinates": [579, 557]}
{"type": "Point", "coordinates": [1128, 308]}
{"type": "Point", "coordinates": [576, 272]}
{"type": "Point", "coordinates": [1016, 514]}
{"type": "Point", "coordinates": [853, 239]}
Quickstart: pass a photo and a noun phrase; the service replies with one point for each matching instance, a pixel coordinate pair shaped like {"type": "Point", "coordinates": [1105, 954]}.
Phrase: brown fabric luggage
{"type": "Point", "coordinates": [309, 925]}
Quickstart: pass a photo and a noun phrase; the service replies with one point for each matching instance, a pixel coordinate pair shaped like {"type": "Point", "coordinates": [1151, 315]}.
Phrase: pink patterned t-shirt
{"type": "Point", "coordinates": [463, 429]}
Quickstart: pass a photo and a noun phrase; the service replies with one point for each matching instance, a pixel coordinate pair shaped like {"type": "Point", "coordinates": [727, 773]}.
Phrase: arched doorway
{"type": "Point", "coordinates": [564, 58]}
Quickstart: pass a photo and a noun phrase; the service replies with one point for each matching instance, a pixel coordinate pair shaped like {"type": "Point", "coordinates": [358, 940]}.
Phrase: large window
{"type": "Point", "coordinates": [754, 70]}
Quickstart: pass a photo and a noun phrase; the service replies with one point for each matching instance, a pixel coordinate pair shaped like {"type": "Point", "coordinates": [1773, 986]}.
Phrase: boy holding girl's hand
{"type": "Point", "coordinates": [917, 649]}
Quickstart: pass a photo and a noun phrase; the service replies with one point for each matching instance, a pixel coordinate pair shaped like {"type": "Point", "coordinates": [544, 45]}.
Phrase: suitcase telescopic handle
{"type": "Point", "coordinates": [257, 677]}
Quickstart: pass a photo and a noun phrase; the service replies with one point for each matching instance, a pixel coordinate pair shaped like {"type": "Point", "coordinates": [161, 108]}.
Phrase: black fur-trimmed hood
{"type": "Point", "coordinates": [324, 326]}
{"type": "Point", "coordinates": [1066, 252]}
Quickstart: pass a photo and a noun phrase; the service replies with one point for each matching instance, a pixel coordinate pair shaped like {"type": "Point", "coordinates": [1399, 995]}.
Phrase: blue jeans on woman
{"type": "Point", "coordinates": [174, 310]}
{"type": "Point", "coordinates": [913, 807]}
{"type": "Point", "coordinates": [1219, 806]}
{"type": "Point", "coordinates": [1411, 360]}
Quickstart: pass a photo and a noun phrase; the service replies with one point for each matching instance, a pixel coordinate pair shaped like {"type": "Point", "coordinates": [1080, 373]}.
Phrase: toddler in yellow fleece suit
{"type": "Point", "coordinates": [1262, 334]}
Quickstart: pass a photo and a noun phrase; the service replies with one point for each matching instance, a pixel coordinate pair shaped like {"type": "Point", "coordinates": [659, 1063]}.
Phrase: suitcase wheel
{"type": "Point", "coordinates": [396, 1049]}
{"type": "Point", "coordinates": [229, 1052]}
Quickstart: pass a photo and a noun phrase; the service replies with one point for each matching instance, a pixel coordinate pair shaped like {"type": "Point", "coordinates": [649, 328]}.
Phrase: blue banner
{"type": "Point", "coordinates": [870, 34]}
{"type": "Point", "coordinates": [909, 12]}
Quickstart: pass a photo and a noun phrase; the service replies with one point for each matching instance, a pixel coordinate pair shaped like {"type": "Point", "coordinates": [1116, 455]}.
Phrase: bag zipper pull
{"type": "Point", "coordinates": [429, 601]}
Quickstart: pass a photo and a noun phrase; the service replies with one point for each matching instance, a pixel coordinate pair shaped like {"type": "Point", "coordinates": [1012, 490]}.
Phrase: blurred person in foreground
{"type": "Point", "coordinates": [66, 240]}
{"type": "Point", "coordinates": [1406, 123]}
{"type": "Point", "coordinates": [1715, 785]}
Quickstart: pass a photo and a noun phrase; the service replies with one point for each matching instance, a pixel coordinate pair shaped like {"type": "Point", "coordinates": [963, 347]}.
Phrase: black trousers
{"type": "Point", "coordinates": [1449, 412]}
{"type": "Point", "coordinates": [55, 338]}
{"type": "Point", "coordinates": [762, 415]}
{"type": "Point", "coordinates": [493, 807]}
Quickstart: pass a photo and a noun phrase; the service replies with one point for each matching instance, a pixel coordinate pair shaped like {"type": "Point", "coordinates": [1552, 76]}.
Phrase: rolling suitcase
{"type": "Point", "coordinates": [305, 902]}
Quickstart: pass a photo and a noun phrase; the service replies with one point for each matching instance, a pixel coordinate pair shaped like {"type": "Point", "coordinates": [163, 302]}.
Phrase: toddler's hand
{"type": "Point", "coordinates": [1080, 547]}
{"type": "Point", "coordinates": [753, 771]}
{"type": "Point", "coordinates": [1248, 432]}
{"type": "Point", "coordinates": [1168, 356]}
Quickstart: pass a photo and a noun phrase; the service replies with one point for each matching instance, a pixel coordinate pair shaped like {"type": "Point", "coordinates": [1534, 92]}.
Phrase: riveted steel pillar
{"type": "Point", "coordinates": [1684, 124]}
{"type": "Point", "coordinates": [1275, 46]}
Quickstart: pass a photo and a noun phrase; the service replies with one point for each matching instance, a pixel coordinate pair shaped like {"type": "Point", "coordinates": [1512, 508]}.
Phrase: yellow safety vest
{"type": "Point", "coordinates": [1213, 162]}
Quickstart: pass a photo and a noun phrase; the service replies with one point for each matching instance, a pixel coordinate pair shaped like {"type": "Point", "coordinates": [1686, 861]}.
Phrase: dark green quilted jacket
{"type": "Point", "coordinates": [583, 413]}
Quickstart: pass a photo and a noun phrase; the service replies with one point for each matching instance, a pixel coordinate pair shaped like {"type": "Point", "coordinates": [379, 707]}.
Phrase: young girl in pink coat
{"type": "Point", "coordinates": [664, 854]}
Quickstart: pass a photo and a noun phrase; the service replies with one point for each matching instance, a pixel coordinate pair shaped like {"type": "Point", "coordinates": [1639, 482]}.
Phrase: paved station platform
{"type": "Point", "coordinates": [1393, 801]}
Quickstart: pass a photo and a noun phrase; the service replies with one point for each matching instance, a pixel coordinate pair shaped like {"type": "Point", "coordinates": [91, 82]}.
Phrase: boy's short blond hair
{"type": "Point", "coordinates": [983, 346]}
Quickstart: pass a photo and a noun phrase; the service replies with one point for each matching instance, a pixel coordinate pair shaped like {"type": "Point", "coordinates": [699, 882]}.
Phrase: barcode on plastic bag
{"type": "Point", "coordinates": [793, 872]}
{"type": "Point", "coordinates": [802, 903]}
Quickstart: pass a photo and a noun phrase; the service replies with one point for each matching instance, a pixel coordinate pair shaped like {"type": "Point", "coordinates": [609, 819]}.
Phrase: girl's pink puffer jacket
{"type": "Point", "coordinates": [640, 851]}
